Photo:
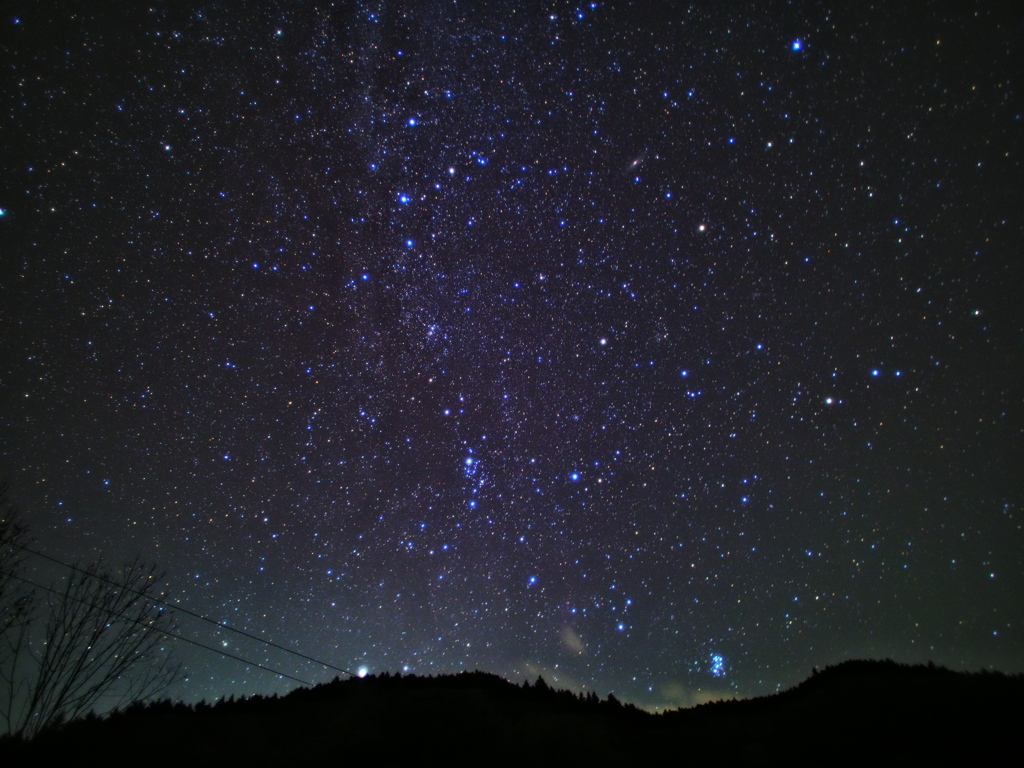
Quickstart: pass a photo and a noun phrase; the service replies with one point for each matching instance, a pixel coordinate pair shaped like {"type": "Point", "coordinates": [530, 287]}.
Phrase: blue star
{"type": "Point", "coordinates": [717, 665]}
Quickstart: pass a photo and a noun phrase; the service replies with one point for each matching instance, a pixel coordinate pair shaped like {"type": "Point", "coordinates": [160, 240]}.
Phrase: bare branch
{"type": "Point", "coordinates": [15, 602]}
{"type": "Point", "coordinates": [96, 643]}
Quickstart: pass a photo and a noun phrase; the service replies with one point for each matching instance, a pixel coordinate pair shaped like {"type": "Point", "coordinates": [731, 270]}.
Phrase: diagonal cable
{"type": "Point", "coordinates": [167, 632]}
{"type": "Point", "coordinates": [194, 615]}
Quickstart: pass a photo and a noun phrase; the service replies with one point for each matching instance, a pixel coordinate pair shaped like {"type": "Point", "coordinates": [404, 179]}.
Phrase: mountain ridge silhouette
{"type": "Point", "coordinates": [856, 711]}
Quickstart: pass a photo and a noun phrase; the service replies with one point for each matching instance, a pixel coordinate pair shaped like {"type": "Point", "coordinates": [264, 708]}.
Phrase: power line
{"type": "Point", "coordinates": [149, 627]}
{"type": "Point", "coordinates": [193, 614]}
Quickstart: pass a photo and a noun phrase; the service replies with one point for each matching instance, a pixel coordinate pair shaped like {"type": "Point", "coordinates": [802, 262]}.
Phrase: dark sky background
{"type": "Point", "coordinates": [665, 350]}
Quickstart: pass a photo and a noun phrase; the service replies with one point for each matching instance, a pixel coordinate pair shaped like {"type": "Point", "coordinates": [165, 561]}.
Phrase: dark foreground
{"type": "Point", "coordinates": [857, 713]}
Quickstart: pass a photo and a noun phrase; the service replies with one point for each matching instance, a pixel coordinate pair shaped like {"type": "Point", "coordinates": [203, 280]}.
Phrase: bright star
{"type": "Point", "coordinates": [717, 665]}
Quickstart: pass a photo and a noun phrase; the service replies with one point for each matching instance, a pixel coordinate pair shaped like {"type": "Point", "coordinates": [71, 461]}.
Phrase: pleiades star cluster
{"type": "Point", "coordinates": [663, 349]}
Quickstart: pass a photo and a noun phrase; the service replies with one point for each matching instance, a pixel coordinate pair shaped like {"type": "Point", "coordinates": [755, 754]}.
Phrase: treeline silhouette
{"type": "Point", "coordinates": [858, 712]}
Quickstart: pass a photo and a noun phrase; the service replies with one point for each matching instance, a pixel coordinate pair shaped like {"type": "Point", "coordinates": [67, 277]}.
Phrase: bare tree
{"type": "Point", "coordinates": [14, 597]}
{"type": "Point", "coordinates": [94, 642]}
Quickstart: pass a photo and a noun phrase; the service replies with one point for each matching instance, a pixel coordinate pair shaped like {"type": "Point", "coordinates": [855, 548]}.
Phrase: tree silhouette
{"type": "Point", "coordinates": [14, 598]}
{"type": "Point", "coordinates": [95, 639]}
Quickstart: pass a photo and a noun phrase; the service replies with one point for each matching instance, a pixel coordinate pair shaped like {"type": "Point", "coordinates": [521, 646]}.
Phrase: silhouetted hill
{"type": "Point", "coordinates": [859, 712]}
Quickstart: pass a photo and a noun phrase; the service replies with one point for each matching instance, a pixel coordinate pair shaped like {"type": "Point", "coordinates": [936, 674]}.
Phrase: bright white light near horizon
{"type": "Point", "coordinates": [828, 401]}
{"type": "Point", "coordinates": [604, 342]}
{"type": "Point", "coordinates": [701, 228]}
{"type": "Point", "coordinates": [363, 671]}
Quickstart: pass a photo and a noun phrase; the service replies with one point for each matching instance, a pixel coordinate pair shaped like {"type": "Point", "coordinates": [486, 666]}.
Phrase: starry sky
{"type": "Point", "coordinates": [659, 349]}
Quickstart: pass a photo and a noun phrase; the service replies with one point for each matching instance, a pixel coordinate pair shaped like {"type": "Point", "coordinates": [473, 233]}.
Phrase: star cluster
{"type": "Point", "coordinates": [659, 349]}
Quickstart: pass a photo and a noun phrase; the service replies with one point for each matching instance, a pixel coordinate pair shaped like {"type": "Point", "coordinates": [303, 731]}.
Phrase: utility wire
{"type": "Point", "coordinates": [167, 632]}
{"type": "Point", "coordinates": [187, 612]}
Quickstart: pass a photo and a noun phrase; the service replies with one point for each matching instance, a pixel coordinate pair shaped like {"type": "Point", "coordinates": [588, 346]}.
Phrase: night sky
{"type": "Point", "coordinates": [663, 350]}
